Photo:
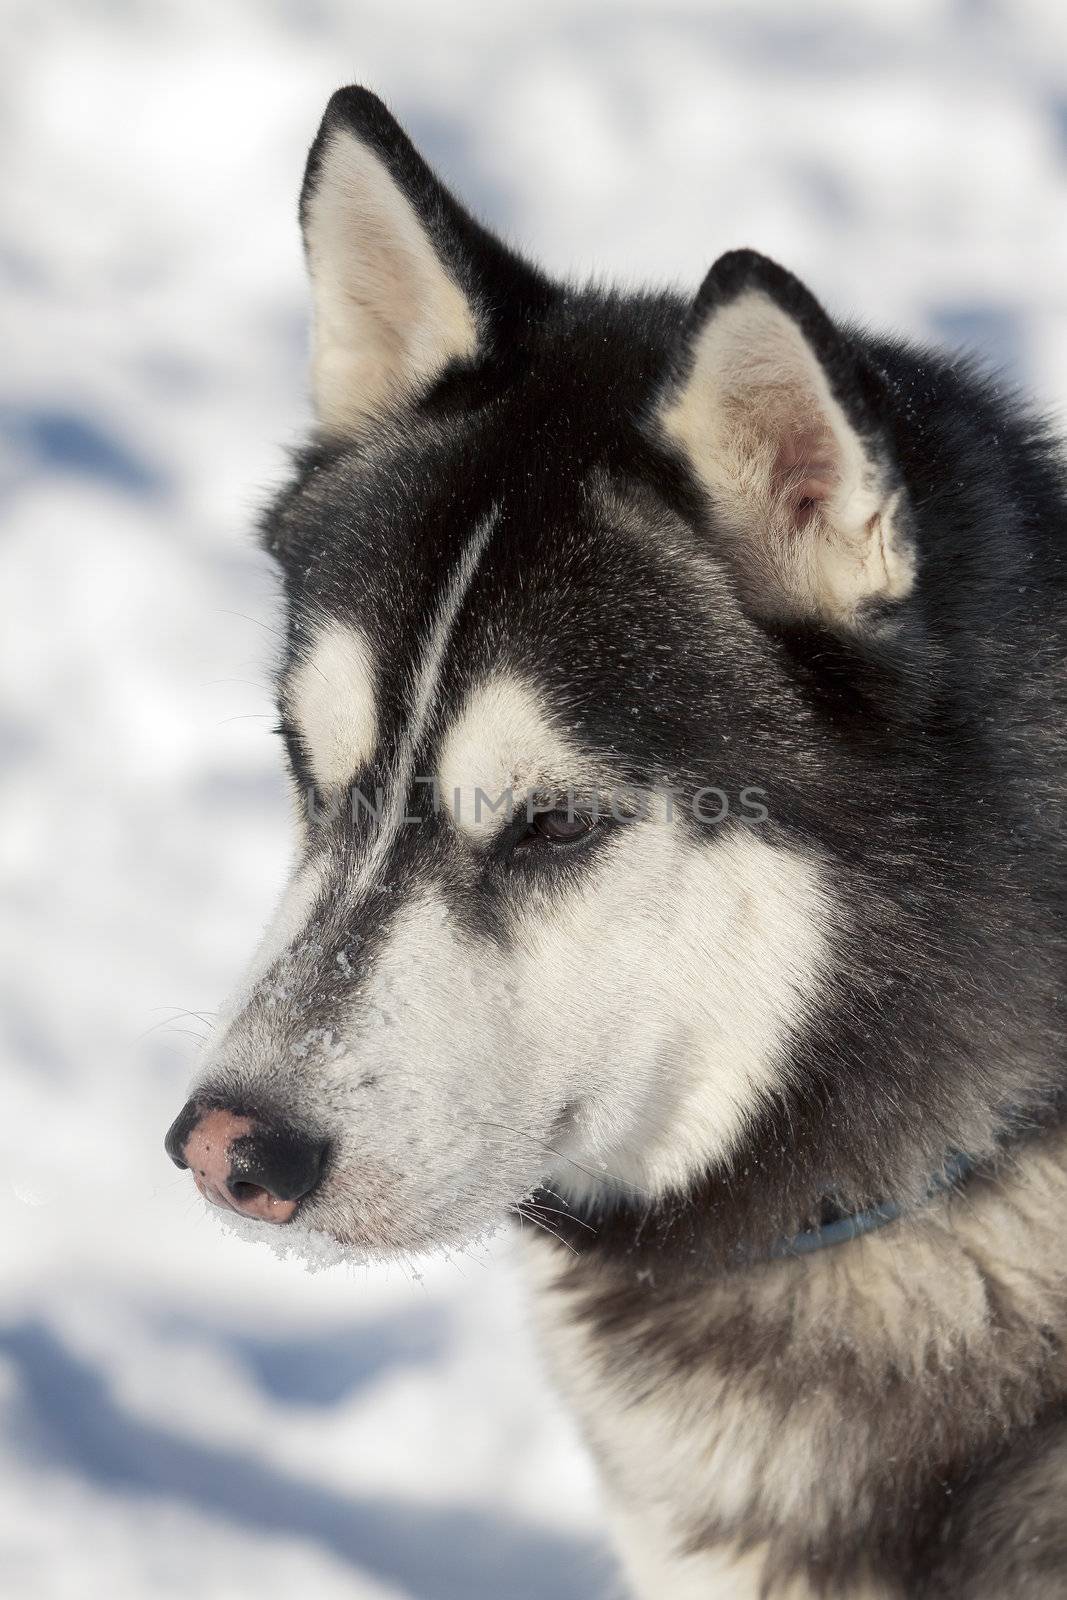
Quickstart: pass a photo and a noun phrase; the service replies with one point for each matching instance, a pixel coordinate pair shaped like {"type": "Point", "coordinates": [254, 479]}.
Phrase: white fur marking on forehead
{"type": "Point", "coordinates": [330, 698]}
{"type": "Point", "coordinates": [444, 622]}
{"type": "Point", "coordinates": [501, 741]}
{"type": "Point", "coordinates": [426, 687]}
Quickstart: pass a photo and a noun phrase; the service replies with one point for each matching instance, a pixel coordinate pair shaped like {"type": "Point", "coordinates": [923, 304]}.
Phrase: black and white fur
{"type": "Point", "coordinates": [552, 540]}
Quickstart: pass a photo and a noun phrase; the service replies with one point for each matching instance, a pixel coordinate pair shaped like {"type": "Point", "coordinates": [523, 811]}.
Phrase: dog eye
{"type": "Point", "coordinates": [559, 828]}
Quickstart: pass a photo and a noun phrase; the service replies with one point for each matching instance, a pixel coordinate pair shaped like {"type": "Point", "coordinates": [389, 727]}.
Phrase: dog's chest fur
{"type": "Point", "coordinates": [829, 1426]}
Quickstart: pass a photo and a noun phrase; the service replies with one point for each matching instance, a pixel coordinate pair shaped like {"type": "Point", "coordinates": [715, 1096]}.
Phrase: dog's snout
{"type": "Point", "coordinates": [259, 1170]}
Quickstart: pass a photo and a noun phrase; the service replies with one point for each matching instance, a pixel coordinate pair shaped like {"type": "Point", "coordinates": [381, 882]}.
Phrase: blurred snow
{"type": "Point", "coordinates": [183, 1412]}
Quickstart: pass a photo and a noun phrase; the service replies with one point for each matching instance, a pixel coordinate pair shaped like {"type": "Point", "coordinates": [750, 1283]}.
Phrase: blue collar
{"type": "Point", "coordinates": [852, 1224]}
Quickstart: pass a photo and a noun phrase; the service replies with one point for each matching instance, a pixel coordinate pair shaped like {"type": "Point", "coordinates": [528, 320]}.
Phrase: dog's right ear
{"type": "Point", "coordinates": [403, 279]}
{"type": "Point", "coordinates": [779, 418]}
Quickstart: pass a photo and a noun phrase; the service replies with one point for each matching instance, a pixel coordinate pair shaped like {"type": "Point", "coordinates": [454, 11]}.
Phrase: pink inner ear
{"type": "Point", "coordinates": [805, 469]}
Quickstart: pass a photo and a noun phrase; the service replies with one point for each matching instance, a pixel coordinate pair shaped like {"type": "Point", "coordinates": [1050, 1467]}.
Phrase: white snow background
{"type": "Point", "coordinates": [184, 1414]}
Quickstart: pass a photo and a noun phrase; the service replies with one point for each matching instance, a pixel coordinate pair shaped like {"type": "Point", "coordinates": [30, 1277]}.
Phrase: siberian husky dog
{"type": "Point", "coordinates": [675, 695]}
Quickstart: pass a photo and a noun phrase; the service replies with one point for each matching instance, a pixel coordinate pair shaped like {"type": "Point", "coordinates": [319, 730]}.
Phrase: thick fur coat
{"type": "Point", "coordinates": [749, 630]}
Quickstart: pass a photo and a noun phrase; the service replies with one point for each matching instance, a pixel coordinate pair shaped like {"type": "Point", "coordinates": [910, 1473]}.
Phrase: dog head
{"type": "Point", "coordinates": [552, 923]}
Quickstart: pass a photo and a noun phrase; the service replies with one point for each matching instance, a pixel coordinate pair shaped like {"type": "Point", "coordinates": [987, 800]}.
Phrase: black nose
{"type": "Point", "coordinates": [260, 1169]}
{"type": "Point", "coordinates": [285, 1163]}
{"type": "Point", "coordinates": [179, 1131]}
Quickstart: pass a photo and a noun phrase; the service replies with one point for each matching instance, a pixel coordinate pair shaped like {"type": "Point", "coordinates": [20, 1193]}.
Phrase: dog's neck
{"type": "Point", "coordinates": [838, 1225]}
{"type": "Point", "coordinates": [730, 1221]}
{"type": "Point", "coordinates": [826, 1404]}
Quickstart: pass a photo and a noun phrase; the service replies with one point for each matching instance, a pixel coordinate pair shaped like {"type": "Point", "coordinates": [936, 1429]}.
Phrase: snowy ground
{"type": "Point", "coordinates": [183, 1413]}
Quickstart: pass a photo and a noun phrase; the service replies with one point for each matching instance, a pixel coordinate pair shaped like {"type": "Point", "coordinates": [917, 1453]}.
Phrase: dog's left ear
{"type": "Point", "coordinates": [405, 283]}
{"type": "Point", "coordinates": [778, 418]}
